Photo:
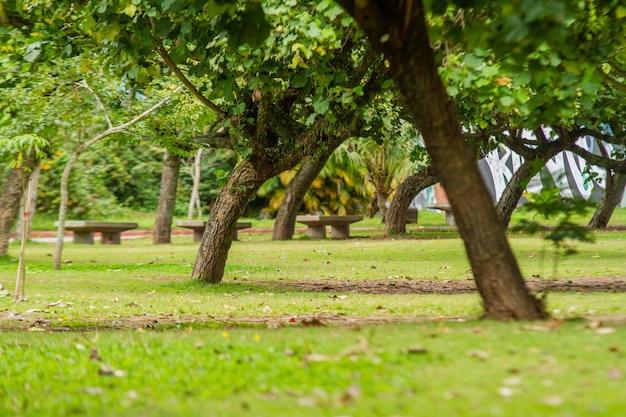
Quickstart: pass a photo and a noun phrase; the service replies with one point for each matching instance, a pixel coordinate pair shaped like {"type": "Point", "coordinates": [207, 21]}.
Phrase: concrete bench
{"type": "Point", "coordinates": [198, 227]}
{"type": "Point", "coordinates": [445, 207]}
{"type": "Point", "coordinates": [339, 225]}
{"type": "Point", "coordinates": [110, 231]}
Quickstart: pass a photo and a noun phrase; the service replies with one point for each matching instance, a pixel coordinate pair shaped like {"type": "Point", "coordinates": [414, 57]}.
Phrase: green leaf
{"type": "Point", "coordinates": [32, 52]}
{"type": "Point", "coordinates": [321, 106]}
{"type": "Point", "coordinates": [299, 81]}
{"type": "Point", "coordinates": [507, 101]}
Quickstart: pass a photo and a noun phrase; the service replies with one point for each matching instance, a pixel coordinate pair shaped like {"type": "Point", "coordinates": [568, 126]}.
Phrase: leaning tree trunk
{"type": "Point", "coordinates": [162, 230]}
{"type": "Point", "coordinates": [515, 189]}
{"type": "Point", "coordinates": [19, 232]}
{"type": "Point", "coordinates": [399, 29]}
{"type": "Point", "coordinates": [11, 197]}
{"type": "Point", "coordinates": [284, 225]}
{"type": "Point", "coordinates": [229, 206]}
{"type": "Point", "coordinates": [406, 191]}
{"type": "Point", "coordinates": [612, 197]}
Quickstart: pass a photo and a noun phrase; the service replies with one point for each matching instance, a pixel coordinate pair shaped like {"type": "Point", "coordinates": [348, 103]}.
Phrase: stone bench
{"type": "Point", "coordinates": [110, 231]}
{"type": "Point", "coordinates": [339, 225]}
{"type": "Point", "coordinates": [446, 208]}
{"type": "Point", "coordinates": [198, 227]}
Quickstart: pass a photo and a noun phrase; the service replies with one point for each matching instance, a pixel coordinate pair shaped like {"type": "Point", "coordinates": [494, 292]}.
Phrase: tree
{"type": "Point", "coordinates": [406, 191]}
{"type": "Point", "coordinates": [81, 147]}
{"type": "Point", "coordinates": [26, 151]}
{"type": "Point", "coordinates": [284, 225]}
{"type": "Point", "coordinates": [162, 229]}
{"type": "Point", "coordinates": [399, 30]}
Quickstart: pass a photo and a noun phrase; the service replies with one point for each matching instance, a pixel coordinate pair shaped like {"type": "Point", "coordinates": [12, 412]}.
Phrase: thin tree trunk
{"type": "Point", "coordinates": [229, 206]}
{"type": "Point", "coordinates": [400, 31]}
{"type": "Point", "coordinates": [406, 191]}
{"type": "Point", "coordinates": [162, 230]}
{"type": "Point", "coordinates": [612, 197]}
{"type": "Point", "coordinates": [34, 177]}
{"type": "Point", "coordinates": [194, 201]}
{"type": "Point", "coordinates": [284, 225]}
{"type": "Point", "coordinates": [11, 198]}
{"type": "Point", "coordinates": [381, 197]}
{"type": "Point", "coordinates": [58, 251]}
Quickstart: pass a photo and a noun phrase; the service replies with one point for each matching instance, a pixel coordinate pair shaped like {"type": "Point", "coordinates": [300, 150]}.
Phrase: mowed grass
{"type": "Point", "coordinates": [428, 369]}
{"type": "Point", "coordinates": [175, 353]}
{"type": "Point", "coordinates": [101, 284]}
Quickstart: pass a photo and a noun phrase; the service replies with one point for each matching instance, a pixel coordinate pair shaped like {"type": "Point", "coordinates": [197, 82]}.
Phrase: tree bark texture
{"type": "Point", "coordinates": [611, 199]}
{"type": "Point", "coordinates": [515, 189]}
{"type": "Point", "coordinates": [399, 29]}
{"type": "Point", "coordinates": [229, 206]}
{"type": "Point", "coordinates": [406, 191]}
{"type": "Point", "coordinates": [284, 225]}
{"type": "Point", "coordinates": [162, 230]}
{"type": "Point", "coordinates": [11, 198]}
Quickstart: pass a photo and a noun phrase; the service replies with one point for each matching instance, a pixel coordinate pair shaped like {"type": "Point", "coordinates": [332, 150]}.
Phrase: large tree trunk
{"type": "Point", "coordinates": [611, 199]}
{"type": "Point", "coordinates": [19, 232]}
{"type": "Point", "coordinates": [399, 29]}
{"type": "Point", "coordinates": [229, 206]}
{"type": "Point", "coordinates": [11, 197]}
{"type": "Point", "coordinates": [162, 230]}
{"type": "Point", "coordinates": [406, 191]}
{"type": "Point", "coordinates": [296, 190]}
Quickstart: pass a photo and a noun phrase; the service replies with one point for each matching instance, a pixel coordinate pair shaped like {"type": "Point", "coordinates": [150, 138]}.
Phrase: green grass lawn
{"type": "Point", "coordinates": [431, 369]}
{"type": "Point", "coordinates": [137, 337]}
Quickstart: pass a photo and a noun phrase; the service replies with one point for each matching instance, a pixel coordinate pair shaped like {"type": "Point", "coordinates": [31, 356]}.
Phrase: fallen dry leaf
{"type": "Point", "coordinates": [480, 354]}
{"type": "Point", "coordinates": [506, 391]}
{"type": "Point", "coordinates": [536, 328]}
{"type": "Point", "coordinates": [615, 373]}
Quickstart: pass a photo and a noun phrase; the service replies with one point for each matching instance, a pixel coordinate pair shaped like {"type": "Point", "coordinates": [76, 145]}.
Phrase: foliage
{"type": "Point", "coordinates": [549, 204]}
{"type": "Point", "coordinates": [22, 145]}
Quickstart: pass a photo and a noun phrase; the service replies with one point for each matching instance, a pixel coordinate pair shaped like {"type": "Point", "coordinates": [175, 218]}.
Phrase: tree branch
{"type": "Point", "coordinates": [618, 166]}
{"type": "Point", "coordinates": [86, 86]}
{"type": "Point", "coordinates": [172, 65]}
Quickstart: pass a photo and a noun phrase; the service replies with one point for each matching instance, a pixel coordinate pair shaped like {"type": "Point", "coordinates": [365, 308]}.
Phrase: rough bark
{"type": "Point", "coordinates": [229, 206]}
{"type": "Point", "coordinates": [162, 230]}
{"type": "Point", "coordinates": [11, 197]}
{"type": "Point", "coordinates": [294, 196]}
{"type": "Point", "coordinates": [398, 28]}
{"type": "Point", "coordinates": [406, 191]}
{"type": "Point", "coordinates": [607, 204]}
{"type": "Point", "coordinates": [34, 176]}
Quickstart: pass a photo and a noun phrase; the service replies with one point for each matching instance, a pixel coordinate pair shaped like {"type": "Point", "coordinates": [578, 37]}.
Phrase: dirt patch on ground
{"type": "Point", "coordinates": [387, 286]}
{"type": "Point", "coordinates": [448, 286]}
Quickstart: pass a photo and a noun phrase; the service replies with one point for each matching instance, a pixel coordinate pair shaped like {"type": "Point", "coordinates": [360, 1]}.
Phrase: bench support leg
{"type": "Point", "coordinates": [450, 220]}
{"type": "Point", "coordinates": [85, 238]}
{"type": "Point", "coordinates": [114, 238]}
{"type": "Point", "coordinates": [340, 232]}
{"type": "Point", "coordinates": [235, 236]}
{"type": "Point", "coordinates": [197, 235]}
{"type": "Point", "coordinates": [316, 232]}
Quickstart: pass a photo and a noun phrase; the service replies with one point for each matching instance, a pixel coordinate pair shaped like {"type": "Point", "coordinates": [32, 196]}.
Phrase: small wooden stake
{"type": "Point", "coordinates": [19, 282]}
